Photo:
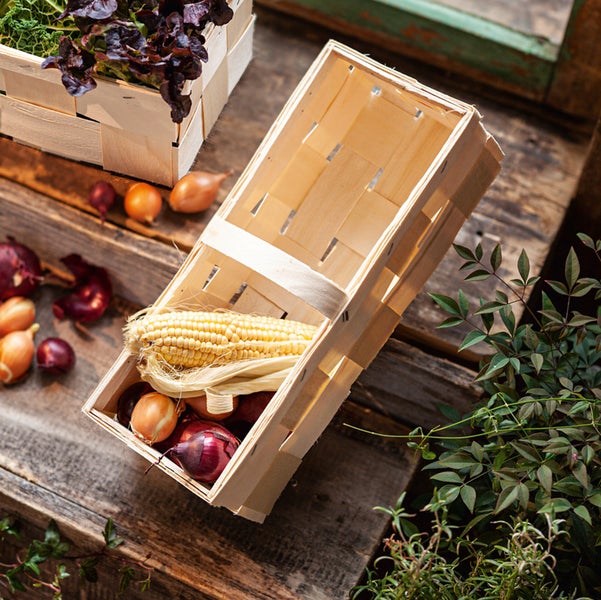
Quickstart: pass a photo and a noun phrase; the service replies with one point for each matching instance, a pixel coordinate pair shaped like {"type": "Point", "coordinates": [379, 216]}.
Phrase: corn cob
{"type": "Point", "coordinates": [187, 339]}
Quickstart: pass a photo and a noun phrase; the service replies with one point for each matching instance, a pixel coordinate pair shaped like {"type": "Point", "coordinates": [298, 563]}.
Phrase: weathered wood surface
{"type": "Point", "coordinates": [523, 208]}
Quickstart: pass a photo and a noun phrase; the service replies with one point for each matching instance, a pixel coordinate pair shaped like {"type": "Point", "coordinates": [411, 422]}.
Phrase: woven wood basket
{"type": "Point", "coordinates": [345, 210]}
{"type": "Point", "coordinates": [122, 127]}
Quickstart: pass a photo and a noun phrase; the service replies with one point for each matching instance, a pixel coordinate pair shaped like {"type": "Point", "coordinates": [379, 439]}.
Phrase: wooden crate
{"type": "Point", "coordinates": [339, 219]}
{"type": "Point", "coordinates": [122, 127]}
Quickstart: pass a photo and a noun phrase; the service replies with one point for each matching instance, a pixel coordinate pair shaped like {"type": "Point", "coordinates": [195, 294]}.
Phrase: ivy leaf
{"type": "Point", "coordinates": [523, 495]}
{"type": "Point", "coordinates": [587, 240]}
{"type": "Point", "coordinates": [468, 495]}
{"type": "Point", "coordinates": [595, 499]}
{"type": "Point", "coordinates": [110, 535]}
{"type": "Point", "coordinates": [581, 473]}
{"type": "Point", "coordinates": [496, 365]}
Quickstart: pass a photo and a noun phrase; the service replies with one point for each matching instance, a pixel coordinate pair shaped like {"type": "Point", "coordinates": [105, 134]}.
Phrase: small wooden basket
{"type": "Point", "coordinates": [122, 127]}
{"type": "Point", "coordinates": [347, 207]}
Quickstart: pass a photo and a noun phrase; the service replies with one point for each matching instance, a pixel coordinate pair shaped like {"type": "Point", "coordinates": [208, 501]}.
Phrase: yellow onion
{"type": "Point", "coordinates": [16, 314]}
{"type": "Point", "coordinates": [154, 417]}
{"type": "Point", "coordinates": [16, 354]}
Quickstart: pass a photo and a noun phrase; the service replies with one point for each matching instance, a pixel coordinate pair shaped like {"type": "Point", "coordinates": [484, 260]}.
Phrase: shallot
{"type": "Point", "coordinates": [213, 407]}
{"type": "Point", "coordinates": [196, 191]}
{"type": "Point", "coordinates": [20, 270]}
{"type": "Point", "coordinates": [91, 294]}
{"type": "Point", "coordinates": [102, 197]}
{"type": "Point", "coordinates": [16, 354]}
{"type": "Point", "coordinates": [16, 313]}
{"type": "Point", "coordinates": [55, 356]}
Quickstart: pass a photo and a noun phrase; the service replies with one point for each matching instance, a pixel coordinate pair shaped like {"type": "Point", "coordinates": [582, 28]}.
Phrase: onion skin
{"type": "Point", "coordinates": [20, 270]}
{"type": "Point", "coordinates": [196, 191]}
{"type": "Point", "coordinates": [16, 314]}
{"type": "Point", "coordinates": [205, 454]}
{"type": "Point", "coordinates": [91, 295]}
{"type": "Point", "coordinates": [55, 356]}
{"type": "Point", "coordinates": [17, 350]}
{"type": "Point", "coordinates": [154, 417]}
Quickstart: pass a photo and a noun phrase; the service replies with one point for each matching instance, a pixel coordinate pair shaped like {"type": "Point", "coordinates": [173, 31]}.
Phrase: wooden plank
{"type": "Point", "coordinates": [436, 34]}
{"type": "Point", "coordinates": [576, 84]}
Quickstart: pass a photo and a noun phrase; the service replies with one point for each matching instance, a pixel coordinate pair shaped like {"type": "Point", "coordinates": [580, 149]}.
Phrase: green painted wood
{"type": "Point", "coordinates": [443, 35]}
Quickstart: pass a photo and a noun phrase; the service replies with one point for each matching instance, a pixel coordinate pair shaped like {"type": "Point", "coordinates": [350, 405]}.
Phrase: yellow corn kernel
{"type": "Point", "coordinates": [201, 338]}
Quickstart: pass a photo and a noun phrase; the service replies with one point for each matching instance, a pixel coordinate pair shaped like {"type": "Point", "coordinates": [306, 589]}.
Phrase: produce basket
{"type": "Point", "coordinates": [347, 207]}
{"type": "Point", "coordinates": [123, 127]}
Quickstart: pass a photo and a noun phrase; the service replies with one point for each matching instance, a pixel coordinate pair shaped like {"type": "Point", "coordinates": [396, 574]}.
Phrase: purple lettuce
{"type": "Point", "coordinates": [157, 43]}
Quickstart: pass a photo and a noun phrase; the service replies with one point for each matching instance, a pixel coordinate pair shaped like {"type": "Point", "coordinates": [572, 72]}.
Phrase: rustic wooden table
{"type": "Point", "coordinates": [323, 532]}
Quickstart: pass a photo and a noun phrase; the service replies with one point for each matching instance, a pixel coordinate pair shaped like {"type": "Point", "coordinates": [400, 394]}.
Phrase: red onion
{"type": "Point", "coordinates": [91, 295]}
{"type": "Point", "coordinates": [205, 454]}
{"type": "Point", "coordinates": [250, 407]}
{"type": "Point", "coordinates": [55, 356]}
{"type": "Point", "coordinates": [128, 399]}
{"type": "Point", "coordinates": [102, 197]}
{"type": "Point", "coordinates": [20, 270]}
{"type": "Point", "coordinates": [189, 424]}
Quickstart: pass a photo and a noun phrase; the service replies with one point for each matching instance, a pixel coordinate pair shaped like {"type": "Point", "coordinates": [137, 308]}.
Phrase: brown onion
{"type": "Point", "coordinates": [154, 417]}
{"type": "Point", "coordinates": [196, 191]}
{"type": "Point", "coordinates": [16, 354]}
{"type": "Point", "coordinates": [143, 202]}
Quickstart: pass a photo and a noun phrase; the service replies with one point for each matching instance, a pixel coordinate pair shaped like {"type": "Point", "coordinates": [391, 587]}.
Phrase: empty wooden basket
{"type": "Point", "coordinates": [345, 210]}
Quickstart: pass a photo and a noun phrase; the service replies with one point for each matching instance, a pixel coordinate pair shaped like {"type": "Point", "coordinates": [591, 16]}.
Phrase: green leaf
{"type": "Point", "coordinates": [545, 476]}
{"type": "Point", "coordinates": [581, 473]}
{"type": "Point", "coordinates": [496, 365]}
{"type": "Point", "coordinates": [523, 495]}
{"type": "Point", "coordinates": [110, 535]}
{"type": "Point", "coordinates": [537, 361]}
{"type": "Point", "coordinates": [559, 287]}
{"type": "Point", "coordinates": [556, 505]}
{"type": "Point", "coordinates": [472, 338]}
{"type": "Point", "coordinates": [447, 303]}
{"type": "Point", "coordinates": [464, 305]}
{"type": "Point", "coordinates": [523, 266]}
{"type": "Point", "coordinates": [468, 495]}
{"type": "Point", "coordinates": [587, 240]}
{"type": "Point", "coordinates": [52, 535]}
{"type": "Point", "coordinates": [506, 498]}
{"type": "Point", "coordinates": [451, 322]}
{"type": "Point", "coordinates": [465, 252]}
{"type": "Point", "coordinates": [595, 499]}
{"type": "Point", "coordinates": [527, 451]}
{"type": "Point", "coordinates": [490, 307]}
{"type": "Point", "coordinates": [477, 275]}
{"type": "Point", "coordinates": [583, 513]}
{"type": "Point", "coordinates": [447, 477]}
{"type": "Point", "coordinates": [572, 268]}
{"type": "Point", "coordinates": [496, 258]}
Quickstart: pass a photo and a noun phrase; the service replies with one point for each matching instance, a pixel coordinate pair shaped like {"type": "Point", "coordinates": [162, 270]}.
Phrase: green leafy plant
{"type": "Point", "coordinates": [529, 453]}
{"type": "Point", "coordinates": [31, 25]}
{"type": "Point", "coordinates": [26, 572]}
